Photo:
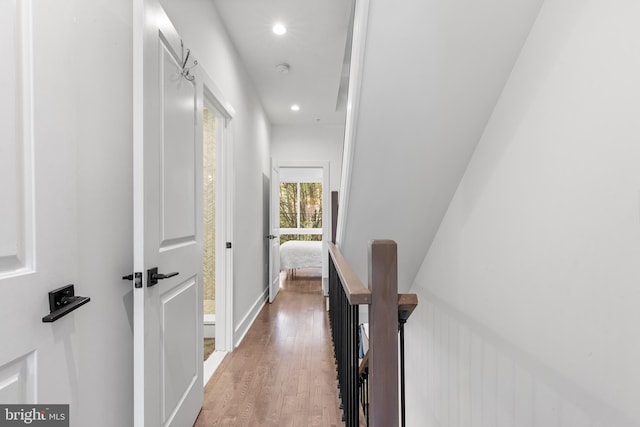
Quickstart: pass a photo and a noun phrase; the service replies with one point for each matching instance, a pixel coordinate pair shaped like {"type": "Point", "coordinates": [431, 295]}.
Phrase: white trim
{"type": "Point", "coordinates": [302, 230]}
{"type": "Point", "coordinates": [25, 252]}
{"type": "Point", "coordinates": [139, 24]}
{"type": "Point", "coordinates": [214, 96]}
{"type": "Point", "coordinates": [360, 20]}
{"type": "Point", "coordinates": [224, 213]}
{"type": "Point", "coordinates": [247, 321]}
{"type": "Point", "coordinates": [211, 364]}
{"type": "Point", "coordinates": [25, 17]}
{"type": "Point", "coordinates": [230, 232]}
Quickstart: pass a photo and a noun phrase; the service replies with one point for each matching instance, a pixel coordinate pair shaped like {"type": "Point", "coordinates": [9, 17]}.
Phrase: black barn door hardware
{"type": "Point", "coordinates": [153, 276]}
{"type": "Point", "coordinates": [63, 301]}
{"type": "Point", "coordinates": [138, 279]}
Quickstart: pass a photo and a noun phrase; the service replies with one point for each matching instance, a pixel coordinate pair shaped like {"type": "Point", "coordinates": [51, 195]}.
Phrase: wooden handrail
{"type": "Point", "coordinates": [407, 303]}
{"type": "Point", "coordinates": [388, 313]}
{"type": "Point", "coordinates": [353, 287]}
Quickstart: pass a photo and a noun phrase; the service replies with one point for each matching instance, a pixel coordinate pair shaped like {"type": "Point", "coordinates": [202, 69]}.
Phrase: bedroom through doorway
{"type": "Point", "coordinates": [303, 216]}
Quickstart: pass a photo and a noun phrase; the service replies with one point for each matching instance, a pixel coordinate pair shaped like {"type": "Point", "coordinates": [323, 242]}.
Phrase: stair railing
{"type": "Point", "coordinates": [386, 311]}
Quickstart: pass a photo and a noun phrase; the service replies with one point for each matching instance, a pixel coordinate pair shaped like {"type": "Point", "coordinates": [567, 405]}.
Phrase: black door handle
{"type": "Point", "coordinates": [164, 276]}
{"type": "Point", "coordinates": [153, 276]}
{"type": "Point", "coordinates": [135, 276]}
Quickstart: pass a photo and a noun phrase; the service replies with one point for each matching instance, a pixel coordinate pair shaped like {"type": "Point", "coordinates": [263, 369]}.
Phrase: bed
{"type": "Point", "coordinates": [296, 254]}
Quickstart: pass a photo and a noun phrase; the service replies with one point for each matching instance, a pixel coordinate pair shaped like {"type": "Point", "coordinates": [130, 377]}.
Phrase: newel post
{"type": "Point", "coordinates": [383, 333]}
{"type": "Point", "coordinates": [334, 216]}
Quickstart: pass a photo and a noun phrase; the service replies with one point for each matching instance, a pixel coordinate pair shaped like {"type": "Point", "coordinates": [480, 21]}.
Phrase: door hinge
{"type": "Point", "coordinates": [138, 279]}
{"type": "Point", "coordinates": [228, 245]}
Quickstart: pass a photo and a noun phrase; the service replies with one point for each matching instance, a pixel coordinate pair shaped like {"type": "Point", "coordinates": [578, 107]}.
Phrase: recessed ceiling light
{"type": "Point", "coordinates": [295, 107]}
{"type": "Point", "coordinates": [279, 29]}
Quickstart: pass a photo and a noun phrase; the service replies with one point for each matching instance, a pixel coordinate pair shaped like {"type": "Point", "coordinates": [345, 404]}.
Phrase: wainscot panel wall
{"type": "Point", "coordinates": [530, 291]}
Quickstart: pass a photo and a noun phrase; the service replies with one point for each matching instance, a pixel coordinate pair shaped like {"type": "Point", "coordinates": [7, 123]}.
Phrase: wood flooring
{"type": "Point", "coordinates": [283, 372]}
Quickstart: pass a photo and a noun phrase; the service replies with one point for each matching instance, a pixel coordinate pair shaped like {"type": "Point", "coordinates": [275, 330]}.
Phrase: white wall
{"type": "Point", "coordinates": [200, 26]}
{"type": "Point", "coordinates": [310, 143]}
{"type": "Point", "coordinates": [101, 78]}
{"type": "Point", "coordinates": [433, 71]}
{"type": "Point", "coordinates": [529, 294]}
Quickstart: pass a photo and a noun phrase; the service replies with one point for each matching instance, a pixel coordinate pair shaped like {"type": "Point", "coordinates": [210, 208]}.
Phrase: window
{"type": "Point", "coordinates": [300, 211]}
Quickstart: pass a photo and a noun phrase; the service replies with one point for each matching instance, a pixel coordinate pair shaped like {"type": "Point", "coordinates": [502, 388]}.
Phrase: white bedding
{"type": "Point", "coordinates": [300, 254]}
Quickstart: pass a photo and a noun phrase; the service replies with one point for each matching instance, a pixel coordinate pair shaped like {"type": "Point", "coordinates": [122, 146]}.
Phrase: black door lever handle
{"type": "Point", "coordinates": [153, 276]}
{"type": "Point", "coordinates": [164, 276]}
{"type": "Point", "coordinates": [137, 277]}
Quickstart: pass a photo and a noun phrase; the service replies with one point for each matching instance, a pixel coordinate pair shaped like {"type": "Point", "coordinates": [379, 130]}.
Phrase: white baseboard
{"type": "Point", "coordinates": [250, 317]}
{"type": "Point", "coordinates": [211, 364]}
{"type": "Point", "coordinates": [209, 328]}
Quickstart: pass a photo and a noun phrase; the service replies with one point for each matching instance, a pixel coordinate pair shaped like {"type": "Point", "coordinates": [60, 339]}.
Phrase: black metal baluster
{"type": "Point", "coordinates": [343, 318]}
{"type": "Point", "coordinates": [402, 321]}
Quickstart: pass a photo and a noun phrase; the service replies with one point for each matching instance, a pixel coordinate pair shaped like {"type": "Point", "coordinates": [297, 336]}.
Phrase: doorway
{"type": "Point", "coordinates": [217, 228]}
{"type": "Point", "coordinates": [304, 215]}
{"type": "Point", "coordinates": [210, 122]}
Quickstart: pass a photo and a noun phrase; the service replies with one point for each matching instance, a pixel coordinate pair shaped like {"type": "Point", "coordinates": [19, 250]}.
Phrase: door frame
{"type": "Point", "coordinates": [225, 204]}
{"type": "Point", "coordinates": [326, 209]}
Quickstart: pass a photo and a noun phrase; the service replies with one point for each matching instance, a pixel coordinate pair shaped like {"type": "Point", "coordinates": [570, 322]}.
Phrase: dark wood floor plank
{"type": "Point", "coordinates": [283, 372]}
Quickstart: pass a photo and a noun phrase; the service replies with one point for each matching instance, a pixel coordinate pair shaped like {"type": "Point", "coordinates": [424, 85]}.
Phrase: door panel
{"type": "Point", "coordinates": [274, 245]}
{"type": "Point", "coordinates": [168, 229]}
{"type": "Point", "coordinates": [16, 212]}
{"type": "Point", "coordinates": [178, 153]}
{"type": "Point", "coordinates": [179, 364]}
{"type": "Point", "coordinates": [18, 380]}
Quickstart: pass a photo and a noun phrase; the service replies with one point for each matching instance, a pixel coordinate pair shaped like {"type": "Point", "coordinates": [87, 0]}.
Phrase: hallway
{"type": "Point", "coordinates": [283, 373]}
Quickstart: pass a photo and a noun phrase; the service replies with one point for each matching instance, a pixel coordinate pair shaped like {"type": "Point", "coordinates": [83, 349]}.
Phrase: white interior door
{"type": "Point", "coordinates": [38, 228]}
{"type": "Point", "coordinates": [274, 236]}
{"type": "Point", "coordinates": [168, 335]}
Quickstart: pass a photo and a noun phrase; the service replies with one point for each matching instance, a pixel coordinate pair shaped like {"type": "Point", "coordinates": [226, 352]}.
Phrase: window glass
{"type": "Point", "coordinates": [310, 205]}
{"type": "Point", "coordinates": [288, 199]}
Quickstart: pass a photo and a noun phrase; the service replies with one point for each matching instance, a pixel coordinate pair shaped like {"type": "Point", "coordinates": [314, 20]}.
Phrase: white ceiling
{"type": "Point", "coordinates": [314, 47]}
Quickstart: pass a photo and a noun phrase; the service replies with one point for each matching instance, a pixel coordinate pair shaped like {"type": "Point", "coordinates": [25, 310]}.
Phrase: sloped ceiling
{"type": "Point", "coordinates": [433, 71]}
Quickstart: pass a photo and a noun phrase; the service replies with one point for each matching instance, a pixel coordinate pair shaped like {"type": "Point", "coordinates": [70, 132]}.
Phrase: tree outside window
{"type": "Point", "coordinates": [300, 211]}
